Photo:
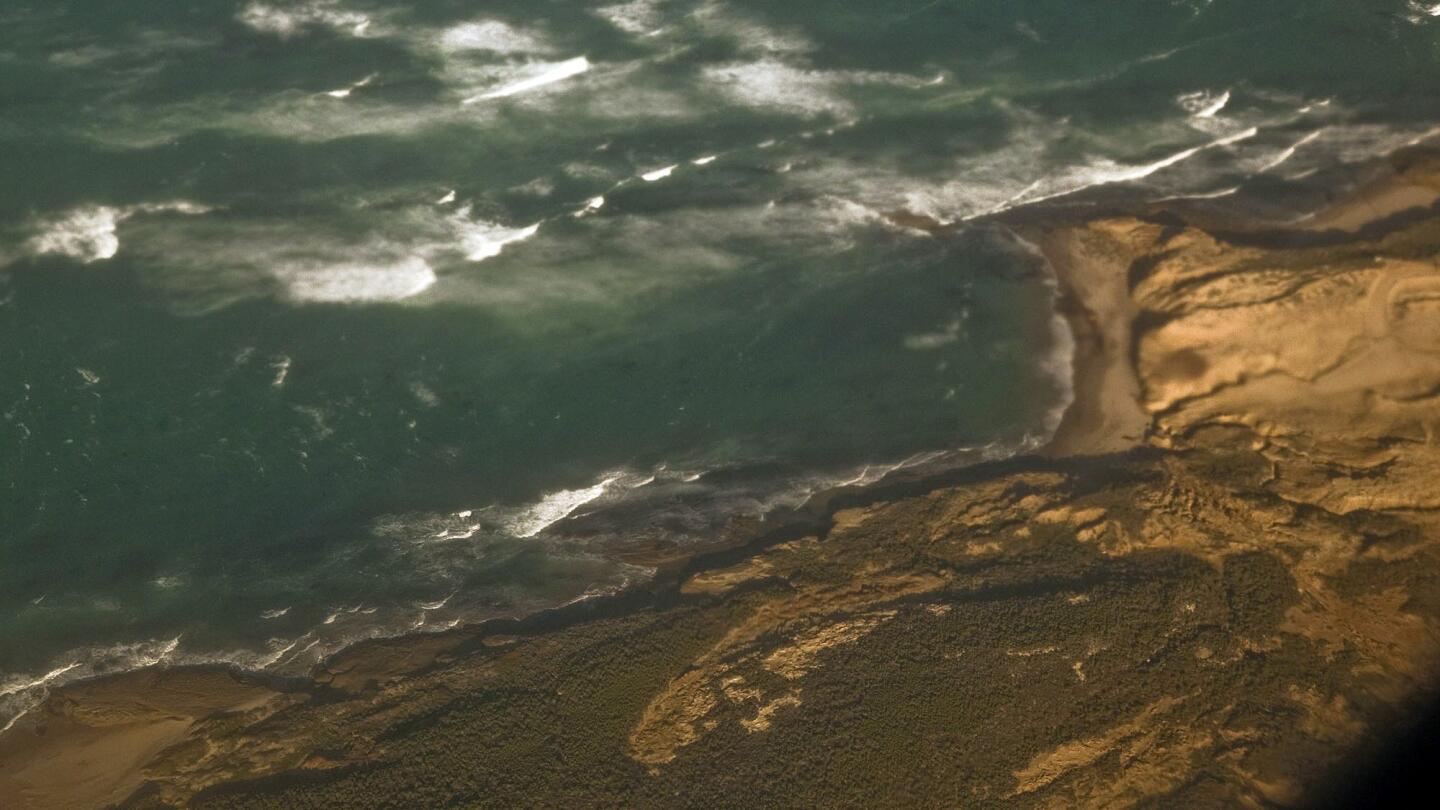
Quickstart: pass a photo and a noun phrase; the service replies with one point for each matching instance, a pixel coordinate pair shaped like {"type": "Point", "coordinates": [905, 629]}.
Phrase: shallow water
{"type": "Point", "coordinates": [318, 318]}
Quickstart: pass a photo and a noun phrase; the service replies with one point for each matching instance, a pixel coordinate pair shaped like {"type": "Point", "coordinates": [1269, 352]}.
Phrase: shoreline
{"type": "Point", "coordinates": [115, 723]}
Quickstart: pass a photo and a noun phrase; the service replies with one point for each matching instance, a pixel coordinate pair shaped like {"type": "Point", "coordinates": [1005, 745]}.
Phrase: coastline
{"type": "Point", "coordinates": [118, 725]}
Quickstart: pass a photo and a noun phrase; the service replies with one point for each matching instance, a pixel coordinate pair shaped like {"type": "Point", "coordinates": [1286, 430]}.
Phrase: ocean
{"type": "Point", "coordinates": [328, 320]}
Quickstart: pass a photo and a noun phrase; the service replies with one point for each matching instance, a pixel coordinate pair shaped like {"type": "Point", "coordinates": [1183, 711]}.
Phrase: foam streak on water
{"type": "Point", "coordinates": [548, 74]}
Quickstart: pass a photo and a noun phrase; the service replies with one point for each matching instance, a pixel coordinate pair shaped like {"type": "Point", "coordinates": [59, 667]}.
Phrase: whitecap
{"type": "Point", "coordinates": [345, 92]}
{"type": "Point", "coordinates": [659, 174]}
{"type": "Point", "coordinates": [1107, 172]}
{"type": "Point", "coordinates": [705, 161]}
{"type": "Point", "coordinates": [86, 233]}
{"type": "Point", "coordinates": [274, 658]}
{"type": "Point", "coordinates": [1420, 12]}
{"type": "Point", "coordinates": [549, 74]}
{"type": "Point", "coordinates": [1289, 152]}
{"type": "Point", "coordinates": [274, 614]}
{"type": "Point", "coordinates": [425, 394]}
{"type": "Point", "coordinates": [718, 18]}
{"type": "Point", "coordinates": [554, 508]}
{"type": "Point", "coordinates": [458, 534]}
{"type": "Point", "coordinates": [447, 199]}
{"type": "Point", "coordinates": [1203, 104]}
{"type": "Point", "coordinates": [591, 206]}
{"type": "Point", "coordinates": [346, 283]}
{"type": "Point", "coordinates": [641, 17]}
{"type": "Point", "coordinates": [871, 473]}
{"type": "Point", "coordinates": [490, 35]}
{"type": "Point", "coordinates": [89, 232]}
{"type": "Point", "coordinates": [773, 84]}
{"type": "Point", "coordinates": [481, 240]}
{"type": "Point", "coordinates": [282, 370]}
{"type": "Point", "coordinates": [286, 22]}
{"type": "Point", "coordinates": [937, 339]}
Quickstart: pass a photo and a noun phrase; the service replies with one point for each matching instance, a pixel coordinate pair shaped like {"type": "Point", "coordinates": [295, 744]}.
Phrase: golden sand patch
{"type": "Point", "coordinates": [1050, 766]}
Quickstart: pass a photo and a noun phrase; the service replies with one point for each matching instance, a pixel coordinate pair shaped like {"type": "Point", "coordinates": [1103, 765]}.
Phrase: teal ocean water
{"type": "Point", "coordinates": [332, 318]}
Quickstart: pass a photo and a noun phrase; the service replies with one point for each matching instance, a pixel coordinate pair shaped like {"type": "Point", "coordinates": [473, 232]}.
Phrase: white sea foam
{"type": "Point", "coordinates": [1204, 105]}
{"type": "Point", "coordinates": [345, 92]}
{"type": "Point", "coordinates": [398, 256]}
{"type": "Point", "coordinates": [554, 508]}
{"type": "Point", "coordinates": [482, 240]}
{"type": "Point", "coordinates": [705, 161]}
{"type": "Point", "coordinates": [773, 84]}
{"type": "Point", "coordinates": [1289, 152]}
{"type": "Point", "coordinates": [447, 199]}
{"type": "Point", "coordinates": [659, 174]}
{"type": "Point", "coordinates": [1059, 364]}
{"type": "Point", "coordinates": [464, 533]}
{"type": "Point", "coordinates": [86, 233]}
{"type": "Point", "coordinates": [274, 614]}
{"type": "Point", "coordinates": [777, 85]}
{"type": "Point", "coordinates": [717, 18]}
{"type": "Point", "coordinates": [437, 605]}
{"type": "Point", "coordinates": [328, 282]}
{"type": "Point", "coordinates": [425, 394]}
{"type": "Point", "coordinates": [24, 710]}
{"type": "Point", "coordinates": [546, 74]}
{"type": "Point", "coordinates": [641, 17]}
{"type": "Point", "coordinates": [17, 685]}
{"type": "Point", "coordinates": [89, 232]}
{"type": "Point", "coordinates": [491, 35]}
{"type": "Point", "coordinates": [937, 339]}
{"type": "Point", "coordinates": [1421, 12]}
{"type": "Point", "coordinates": [871, 473]}
{"type": "Point", "coordinates": [1107, 172]}
{"type": "Point", "coordinates": [591, 206]}
{"type": "Point", "coordinates": [282, 370]}
{"type": "Point", "coordinates": [1208, 195]}
{"type": "Point", "coordinates": [274, 658]}
{"type": "Point", "coordinates": [290, 20]}
{"type": "Point", "coordinates": [19, 693]}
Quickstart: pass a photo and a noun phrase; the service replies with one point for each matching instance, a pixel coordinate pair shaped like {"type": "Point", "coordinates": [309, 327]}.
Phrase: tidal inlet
{"type": "Point", "coordinates": [718, 403]}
